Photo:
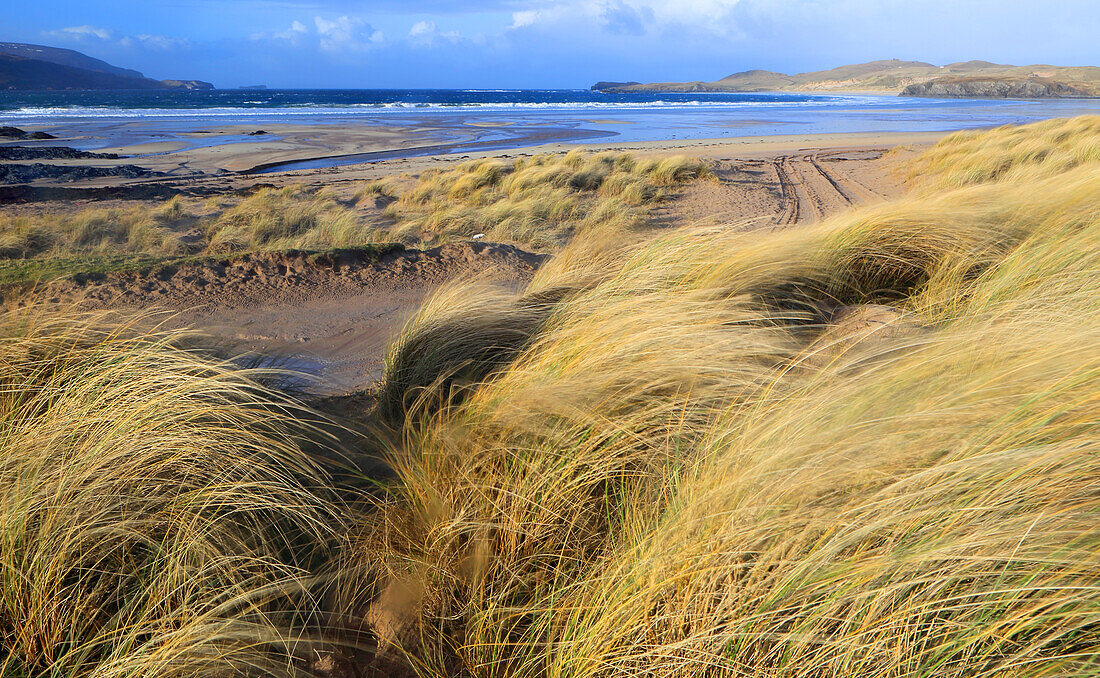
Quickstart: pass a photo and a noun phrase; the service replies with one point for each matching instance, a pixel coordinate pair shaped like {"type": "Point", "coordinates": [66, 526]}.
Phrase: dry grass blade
{"type": "Point", "coordinates": [860, 448]}
{"type": "Point", "coordinates": [157, 514]}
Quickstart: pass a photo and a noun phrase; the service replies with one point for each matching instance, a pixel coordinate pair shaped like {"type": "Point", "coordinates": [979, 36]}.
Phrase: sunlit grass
{"type": "Point", "coordinates": [1038, 150]}
{"type": "Point", "coordinates": [540, 202]}
{"type": "Point", "coordinates": [157, 514]}
{"type": "Point", "coordinates": [864, 447]}
{"type": "Point", "coordinates": [706, 460]}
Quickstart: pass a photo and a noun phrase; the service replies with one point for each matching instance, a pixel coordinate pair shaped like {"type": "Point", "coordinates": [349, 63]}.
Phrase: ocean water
{"type": "Point", "coordinates": [465, 120]}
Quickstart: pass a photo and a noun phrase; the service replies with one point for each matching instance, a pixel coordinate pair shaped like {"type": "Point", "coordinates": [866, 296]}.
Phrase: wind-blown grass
{"type": "Point", "coordinates": [157, 515]}
{"type": "Point", "coordinates": [541, 201]}
{"type": "Point", "coordinates": [100, 240]}
{"type": "Point", "coordinates": [701, 461]}
{"type": "Point", "coordinates": [1039, 150]}
{"type": "Point", "coordinates": [93, 231]}
{"type": "Point", "coordinates": [288, 218]}
{"type": "Point", "coordinates": [864, 447]}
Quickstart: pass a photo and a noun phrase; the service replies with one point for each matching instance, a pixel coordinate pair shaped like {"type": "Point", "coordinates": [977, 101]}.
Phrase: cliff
{"type": "Point", "coordinates": [997, 88]}
{"type": "Point", "coordinates": [65, 57]}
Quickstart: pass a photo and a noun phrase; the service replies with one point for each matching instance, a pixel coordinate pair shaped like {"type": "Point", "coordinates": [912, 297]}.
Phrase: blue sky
{"type": "Point", "coordinates": [537, 43]}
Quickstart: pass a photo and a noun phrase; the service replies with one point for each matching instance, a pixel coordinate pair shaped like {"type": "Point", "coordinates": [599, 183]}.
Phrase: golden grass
{"type": "Point", "coordinates": [692, 464]}
{"type": "Point", "coordinates": [157, 515]}
{"type": "Point", "coordinates": [864, 447]}
{"type": "Point", "coordinates": [288, 218]}
{"type": "Point", "coordinates": [270, 219]}
{"type": "Point", "coordinates": [93, 231]}
{"type": "Point", "coordinates": [1012, 152]}
{"type": "Point", "coordinates": [539, 202]}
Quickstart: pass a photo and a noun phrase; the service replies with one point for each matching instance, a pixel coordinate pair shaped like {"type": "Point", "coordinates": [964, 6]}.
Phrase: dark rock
{"type": "Point", "coordinates": [13, 132]}
{"type": "Point", "coordinates": [21, 174]}
{"type": "Point", "coordinates": [257, 133]}
{"type": "Point", "coordinates": [612, 86]}
{"type": "Point", "coordinates": [51, 153]}
{"type": "Point", "coordinates": [995, 88]}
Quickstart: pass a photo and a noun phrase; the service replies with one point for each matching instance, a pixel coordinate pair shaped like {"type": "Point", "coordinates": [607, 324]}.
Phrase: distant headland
{"type": "Point", "coordinates": [905, 78]}
{"type": "Point", "coordinates": [38, 67]}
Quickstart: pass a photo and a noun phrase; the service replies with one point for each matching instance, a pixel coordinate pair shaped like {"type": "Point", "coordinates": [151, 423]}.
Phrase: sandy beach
{"type": "Point", "coordinates": [549, 340]}
{"type": "Point", "coordinates": [335, 323]}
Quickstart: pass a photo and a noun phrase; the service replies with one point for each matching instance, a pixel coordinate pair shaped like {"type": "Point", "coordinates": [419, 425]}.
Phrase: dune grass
{"type": "Point", "coordinates": [103, 240]}
{"type": "Point", "coordinates": [1040, 150]}
{"type": "Point", "coordinates": [288, 218]}
{"type": "Point", "coordinates": [157, 513]}
{"type": "Point", "coordinates": [697, 463]}
{"type": "Point", "coordinates": [864, 447]}
{"type": "Point", "coordinates": [539, 202]}
{"type": "Point", "coordinates": [93, 231]}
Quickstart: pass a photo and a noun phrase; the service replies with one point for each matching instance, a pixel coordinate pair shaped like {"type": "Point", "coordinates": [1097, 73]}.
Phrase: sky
{"type": "Point", "coordinates": [542, 44]}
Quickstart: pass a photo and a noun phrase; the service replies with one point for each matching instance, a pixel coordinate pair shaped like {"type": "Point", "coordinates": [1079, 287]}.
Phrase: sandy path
{"type": "Point", "coordinates": [785, 189]}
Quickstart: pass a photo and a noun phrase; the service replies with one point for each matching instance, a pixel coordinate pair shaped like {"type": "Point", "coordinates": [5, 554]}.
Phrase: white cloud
{"type": "Point", "coordinates": [94, 33]}
{"type": "Point", "coordinates": [525, 18]}
{"type": "Point", "coordinates": [82, 33]}
{"type": "Point", "coordinates": [346, 33]}
{"type": "Point", "coordinates": [422, 28]}
{"type": "Point", "coordinates": [633, 17]}
{"type": "Point", "coordinates": [619, 17]}
{"type": "Point", "coordinates": [425, 33]}
{"type": "Point", "coordinates": [296, 31]}
{"type": "Point", "coordinates": [160, 41]}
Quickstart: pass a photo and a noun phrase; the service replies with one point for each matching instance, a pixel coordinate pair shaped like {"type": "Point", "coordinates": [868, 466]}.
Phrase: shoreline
{"type": "Point", "coordinates": [741, 148]}
{"type": "Point", "coordinates": [284, 154]}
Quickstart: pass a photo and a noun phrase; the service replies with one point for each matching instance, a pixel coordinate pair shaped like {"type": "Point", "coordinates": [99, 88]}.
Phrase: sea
{"type": "Point", "coordinates": [462, 120]}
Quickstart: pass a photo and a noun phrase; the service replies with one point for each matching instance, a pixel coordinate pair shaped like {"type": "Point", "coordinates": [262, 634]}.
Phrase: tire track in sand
{"type": "Point", "coordinates": [810, 192]}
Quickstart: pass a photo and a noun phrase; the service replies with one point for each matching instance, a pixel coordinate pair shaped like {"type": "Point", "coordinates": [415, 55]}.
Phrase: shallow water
{"type": "Point", "coordinates": [502, 119]}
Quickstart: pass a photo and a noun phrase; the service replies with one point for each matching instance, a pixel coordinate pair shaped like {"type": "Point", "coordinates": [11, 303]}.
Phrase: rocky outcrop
{"type": "Point", "coordinates": [51, 153]}
{"type": "Point", "coordinates": [186, 84]}
{"type": "Point", "coordinates": [612, 86]}
{"type": "Point", "coordinates": [996, 88]}
{"type": "Point", "coordinates": [21, 174]}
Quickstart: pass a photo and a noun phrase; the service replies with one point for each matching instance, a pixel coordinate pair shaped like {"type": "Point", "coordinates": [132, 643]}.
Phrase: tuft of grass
{"type": "Point", "coordinates": [28, 272]}
{"type": "Point", "coordinates": [863, 447]}
{"type": "Point", "coordinates": [540, 202]}
{"type": "Point", "coordinates": [1038, 150]}
{"type": "Point", "coordinates": [93, 231]}
{"type": "Point", "coordinates": [96, 240]}
{"type": "Point", "coordinates": [292, 217]}
{"type": "Point", "coordinates": [158, 516]}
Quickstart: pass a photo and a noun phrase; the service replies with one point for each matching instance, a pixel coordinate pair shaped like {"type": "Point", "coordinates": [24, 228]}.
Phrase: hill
{"type": "Point", "coordinates": [37, 67]}
{"type": "Point", "coordinates": [65, 57]}
{"type": "Point", "coordinates": [892, 76]}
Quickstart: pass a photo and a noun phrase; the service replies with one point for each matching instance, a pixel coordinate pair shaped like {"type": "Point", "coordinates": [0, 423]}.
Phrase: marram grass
{"type": "Point", "coordinates": [866, 447]}
{"type": "Point", "coordinates": [540, 202]}
{"type": "Point", "coordinates": [157, 514]}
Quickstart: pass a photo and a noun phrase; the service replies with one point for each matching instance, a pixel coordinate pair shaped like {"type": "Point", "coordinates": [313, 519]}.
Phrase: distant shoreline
{"type": "Point", "coordinates": [329, 136]}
